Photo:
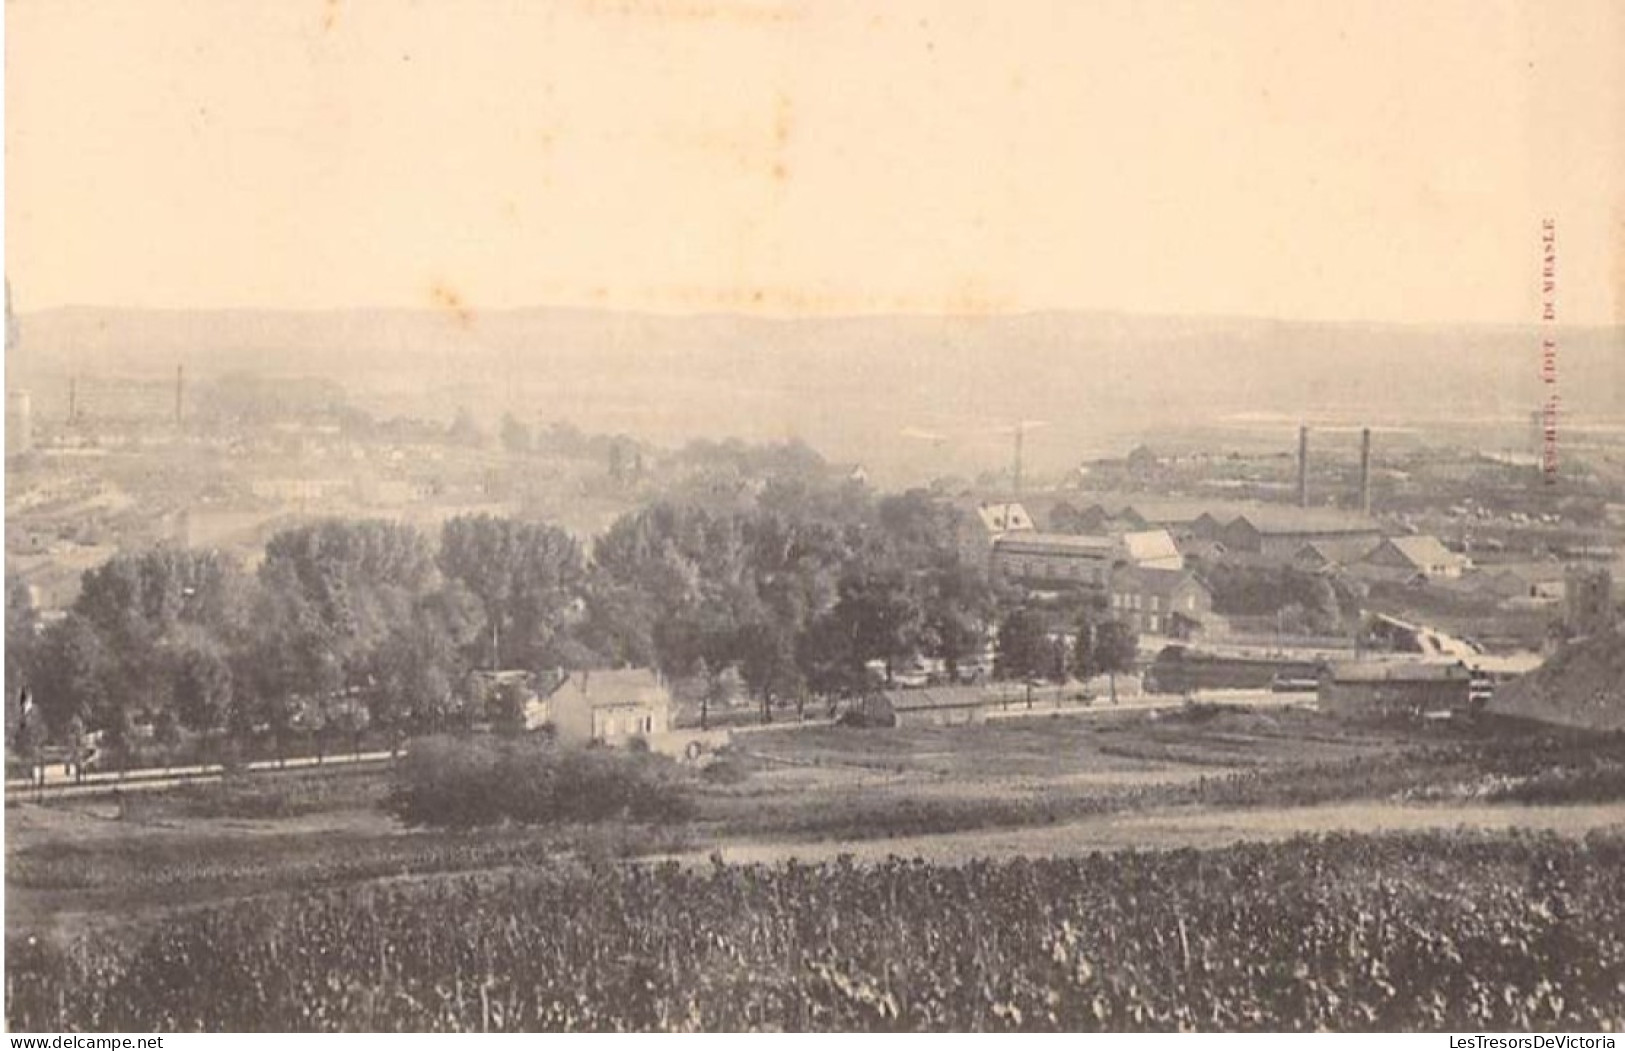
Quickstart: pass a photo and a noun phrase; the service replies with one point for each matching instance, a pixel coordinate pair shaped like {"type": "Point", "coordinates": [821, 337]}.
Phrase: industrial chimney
{"type": "Point", "coordinates": [1015, 473]}
{"type": "Point", "coordinates": [180, 391]}
{"type": "Point", "coordinates": [1365, 470]}
{"type": "Point", "coordinates": [1303, 466]}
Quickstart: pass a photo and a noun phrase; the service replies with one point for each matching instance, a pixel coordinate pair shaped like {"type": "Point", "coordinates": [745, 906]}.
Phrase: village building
{"type": "Point", "coordinates": [1160, 601]}
{"type": "Point", "coordinates": [1279, 532]}
{"type": "Point", "coordinates": [1152, 549]}
{"type": "Point", "coordinates": [609, 707]}
{"type": "Point", "coordinates": [1056, 560]}
{"type": "Point", "coordinates": [1005, 516]}
{"type": "Point", "coordinates": [938, 706]}
{"type": "Point", "coordinates": [1388, 690]}
{"type": "Point", "coordinates": [1326, 556]}
{"type": "Point", "coordinates": [1534, 583]}
{"type": "Point", "coordinates": [1066, 560]}
{"type": "Point", "coordinates": [1417, 556]}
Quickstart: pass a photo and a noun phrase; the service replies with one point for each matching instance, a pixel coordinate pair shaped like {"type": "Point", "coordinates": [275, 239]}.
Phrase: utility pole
{"type": "Point", "coordinates": [1303, 466]}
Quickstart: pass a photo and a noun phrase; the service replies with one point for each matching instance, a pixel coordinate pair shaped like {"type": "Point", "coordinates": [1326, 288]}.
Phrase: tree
{"type": "Point", "coordinates": [879, 615]}
{"type": "Point", "coordinates": [768, 664]}
{"type": "Point", "coordinates": [958, 603]}
{"type": "Point", "coordinates": [331, 595]}
{"type": "Point", "coordinates": [203, 688]}
{"type": "Point", "coordinates": [75, 676]}
{"type": "Point", "coordinates": [529, 579]}
{"type": "Point", "coordinates": [1023, 650]}
{"type": "Point", "coordinates": [618, 626]}
{"type": "Point", "coordinates": [78, 747]}
{"type": "Point", "coordinates": [1116, 647]}
{"type": "Point", "coordinates": [828, 662]}
{"type": "Point", "coordinates": [1085, 665]}
{"type": "Point", "coordinates": [413, 672]}
{"type": "Point", "coordinates": [150, 609]}
{"type": "Point", "coordinates": [22, 640]}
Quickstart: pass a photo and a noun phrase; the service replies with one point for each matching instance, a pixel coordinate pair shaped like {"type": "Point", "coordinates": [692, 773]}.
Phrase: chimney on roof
{"type": "Point", "coordinates": [1365, 470]}
{"type": "Point", "coordinates": [1303, 466]}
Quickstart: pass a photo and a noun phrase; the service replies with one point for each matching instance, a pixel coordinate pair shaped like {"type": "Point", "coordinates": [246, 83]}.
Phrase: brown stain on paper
{"type": "Point", "coordinates": [447, 298]}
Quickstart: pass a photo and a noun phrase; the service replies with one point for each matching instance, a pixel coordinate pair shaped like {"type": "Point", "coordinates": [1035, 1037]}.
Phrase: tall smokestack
{"type": "Point", "coordinates": [1365, 470]}
{"type": "Point", "coordinates": [73, 398]}
{"type": "Point", "coordinates": [1303, 466]}
{"type": "Point", "coordinates": [180, 387]}
{"type": "Point", "coordinates": [1016, 471]}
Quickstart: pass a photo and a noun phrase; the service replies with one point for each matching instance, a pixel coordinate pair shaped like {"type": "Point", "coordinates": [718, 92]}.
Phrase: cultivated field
{"type": "Point", "coordinates": [1432, 932]}
{"type": "Point", "coordinates": [269, 870]}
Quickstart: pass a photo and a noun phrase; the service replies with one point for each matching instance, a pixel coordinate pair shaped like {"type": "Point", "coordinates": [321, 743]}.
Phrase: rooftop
{"type": "Point", "coordinates": [1148, 581]}
{"type": "Point", "coordinates": [1425, 551]}
{"type": "Point", "coordinates": [1279, 518]}
{"type": "Point", "coordinates": [1151, 544]}
{"type": "Point", "coordinates": [1039, 543]}
{"type": "Point", "coordinates": [1398, 671]}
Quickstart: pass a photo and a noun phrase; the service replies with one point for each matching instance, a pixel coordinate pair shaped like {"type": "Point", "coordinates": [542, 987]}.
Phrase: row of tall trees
{"type": "Point", "coordinates": [346, 625]}
{"type": "Point", "coordinates": [350, 626]}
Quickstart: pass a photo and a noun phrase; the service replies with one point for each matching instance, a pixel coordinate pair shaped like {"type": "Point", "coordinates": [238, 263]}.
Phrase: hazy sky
{"type": "Point", "coordinates": [1371, 160]}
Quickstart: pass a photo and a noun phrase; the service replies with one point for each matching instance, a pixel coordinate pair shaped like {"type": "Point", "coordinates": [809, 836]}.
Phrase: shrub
{"type": "Point", "coordinates": [725, 770]}
{"type": "Point", "coordinates": [452, 783]}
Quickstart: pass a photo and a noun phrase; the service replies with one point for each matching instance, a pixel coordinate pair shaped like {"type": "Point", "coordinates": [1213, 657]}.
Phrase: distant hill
{"type": "Point", "coordinates": [848, 385]}
{"type": "Point", "coordinates": [1582, 685]}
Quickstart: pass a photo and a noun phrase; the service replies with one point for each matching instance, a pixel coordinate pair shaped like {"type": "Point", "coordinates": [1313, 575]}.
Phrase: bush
{"type": "Point", "coordinates": [725, 770]}
{"type": "Point", "coordinates": [452, 783]}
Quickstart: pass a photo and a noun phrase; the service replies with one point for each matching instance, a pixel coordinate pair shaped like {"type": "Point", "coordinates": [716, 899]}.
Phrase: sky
{"type": "Point", "coordinates": [1382, 161]}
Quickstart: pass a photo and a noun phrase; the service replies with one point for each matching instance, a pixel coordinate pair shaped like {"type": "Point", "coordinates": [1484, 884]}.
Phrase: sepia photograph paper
{"type": "Point", "coordinates": [783, 516]}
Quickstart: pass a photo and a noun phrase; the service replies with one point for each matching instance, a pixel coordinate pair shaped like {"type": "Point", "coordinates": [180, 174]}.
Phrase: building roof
{"type": "Point", "coordinates": [936, 697]}
{"type": "Point", "coordinates": [1151, 545]}
{"type": "Point", "coordinates": [1147, 581]}
{"type": "Point", "coordinates": [1423, 551]}
{"type": "Point", "coordinates": [1397, 671]}
{"type": "Point", "coordinates": [1055, 543]}
{"type": "Point", "coordinates": [1158, 510]}
{"type": "Point", "coordinates": [1336, 551]}
{"type": "Point", "coordinates": [618, 686]}
{"type": "Point", "coordinates": [1004, 516]}
{"type": "Point", "coordinates": [1197, 547]}
{"type": "Point", "coordinates": [1279, 519]}
{"type": "Point", "coordinates": [1541, 572]}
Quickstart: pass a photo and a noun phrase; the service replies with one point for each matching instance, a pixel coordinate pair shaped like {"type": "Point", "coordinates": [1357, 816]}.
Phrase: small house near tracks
{"type": "Point", "coordinates": [939, 706]}
{"type": "Point", "coordinates": [610, 706]}
{"type": "Point", "coordinates": [1397, 690]}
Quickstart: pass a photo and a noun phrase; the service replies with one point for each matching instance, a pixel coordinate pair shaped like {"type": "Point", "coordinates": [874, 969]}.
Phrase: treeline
{"type": "Point", "coordinates": [348, 628]}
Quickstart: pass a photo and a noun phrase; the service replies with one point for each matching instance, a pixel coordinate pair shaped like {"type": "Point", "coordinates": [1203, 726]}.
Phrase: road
{"type": "Point", "coordinates": [1152, 702]}
{"type": "Point", "coordinates": [61, 785]}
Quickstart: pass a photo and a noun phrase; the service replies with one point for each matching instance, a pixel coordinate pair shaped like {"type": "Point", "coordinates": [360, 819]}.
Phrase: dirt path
{"type": "Point", "coordinates": [1187, 828]}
